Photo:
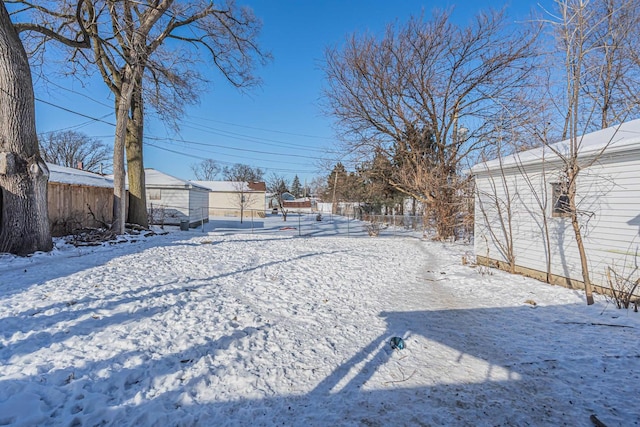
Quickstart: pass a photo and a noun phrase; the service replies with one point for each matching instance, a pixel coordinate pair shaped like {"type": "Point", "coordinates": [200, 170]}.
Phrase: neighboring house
{"type": "Point", "coordinates": [230, 198]}
{"type": "Point", "coordinates": [529, 185]}
{"type": "Point", "coordinates": [172, 200]}
{"type": "Point", "coordinates": [289, 202]}
{"type": "Point", "coordinates": [298, 205]}
{"type": "Point", "coordinates": [78, 199]}
{"type": "Point", "coordinates": [324, 207]}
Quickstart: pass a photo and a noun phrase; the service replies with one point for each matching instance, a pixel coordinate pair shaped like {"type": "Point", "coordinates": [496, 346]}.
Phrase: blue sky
{"type": "Point", "coordinates": [279, 126]}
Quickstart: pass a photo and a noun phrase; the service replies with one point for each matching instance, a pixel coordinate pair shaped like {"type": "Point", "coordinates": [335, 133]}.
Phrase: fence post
{"type": "Point", "coordinates": [299, 229]}
{"type": "Point", "coordinates": [251, 221]}
{"type": "Point", "coordinates": [202, 215]}
{"type": "Point", "coordinates": [393, 218]}
{"type": "Point", "coordinates": [348, 226]}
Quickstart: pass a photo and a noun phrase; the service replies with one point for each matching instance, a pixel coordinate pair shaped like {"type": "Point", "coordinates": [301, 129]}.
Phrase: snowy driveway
{"type": "Point", "coordinates": [263, 330]}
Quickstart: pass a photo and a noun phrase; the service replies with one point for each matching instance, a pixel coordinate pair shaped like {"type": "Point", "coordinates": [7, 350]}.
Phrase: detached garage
{"type": "Point", "coordinates": [172, 200]}
{"type": "Point", "coordinates": [235, 198]}
{"type": "Point", "coordinates": [520, 223]}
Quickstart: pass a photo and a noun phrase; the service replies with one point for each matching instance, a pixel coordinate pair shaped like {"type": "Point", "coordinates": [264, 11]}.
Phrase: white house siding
{"type": "Point", "coordinates": [180, 204]}
{"type": "Point", "coordinates": [225, 196]}
{"type": "Point", "coordinates": [612, 234]}
{"type": "Point", "coordinates": [173, 201]}
{"type": "Point", "coordinates": [199, 205]}
{"type": "Point", "coordinates": [227, 203]}
{"type": "Point", "coordinates": [608, 194]}
{"type": "Point", "coordinates": [223, 204]}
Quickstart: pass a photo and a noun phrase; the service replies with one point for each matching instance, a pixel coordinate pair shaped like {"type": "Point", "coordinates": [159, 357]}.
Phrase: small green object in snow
{"type": "Point", "coordinates": [397, 343]}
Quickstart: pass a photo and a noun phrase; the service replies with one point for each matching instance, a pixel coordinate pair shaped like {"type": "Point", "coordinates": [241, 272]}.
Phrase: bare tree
{"type": "Point", "coordinates": [24, 222]}
{"type": "Point", "coordinates": [206, 170]}
{"type": "Point", "coordinates": [611, 80]}
{"type": "Point", "coordinates": [600, 87]}
{"type": "Point", "coordinates": [409, 93]}
{"type": "Point", "coordinates": [244, 198]}
{"type": "Point", "coordinates": [496, 205]}
{"type": "Point", "coordinates": [75, 150]}
{"type": "Point", "coordinates": [318, 186]}
{"type": "Point", "coordinates": [241, 172]}
{"type": "Point", "coordinates": [573, 33]}
{"type": "Point", "coordinates": [277, 185]}
{"type": "Point", "coordinates": [129, 47]}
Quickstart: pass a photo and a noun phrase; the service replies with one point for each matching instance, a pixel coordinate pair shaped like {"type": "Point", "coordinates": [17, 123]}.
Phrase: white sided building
{"type": "Point", "coordinates": [233, 198]}
{"type": "Point", "coordinates": [173, 201]}
{"type": "Point", "coordinates": [518, 194]}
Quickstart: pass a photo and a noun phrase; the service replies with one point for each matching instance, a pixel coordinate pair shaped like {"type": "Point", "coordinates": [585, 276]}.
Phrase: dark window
{"type": "Point", "coordinates": [560, 200]}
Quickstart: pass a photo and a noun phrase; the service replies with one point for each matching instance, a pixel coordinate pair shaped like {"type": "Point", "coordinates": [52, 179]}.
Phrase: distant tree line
{"type": "Point", "coordinates": [76, 150]}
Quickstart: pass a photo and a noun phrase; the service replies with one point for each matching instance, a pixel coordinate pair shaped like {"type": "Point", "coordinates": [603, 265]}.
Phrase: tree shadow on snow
{"type": "Point", "coordinates": [18, 274]}
{"type": "Point", "coordinates": [83, 315]}
{"type": "Point", "coordinates": [485, 366]}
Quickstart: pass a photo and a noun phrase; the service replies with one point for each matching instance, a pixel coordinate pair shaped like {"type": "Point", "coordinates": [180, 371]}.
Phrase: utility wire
{"type": "Point", "coordinates": [75, 112]}
{"type": "Point", "coordinates": [206, 144]}
{"type": "Point", "coordinates": [222, 162]}
{"type": "Point", "coordinates": [218, 154]}
{"type": "Point", "coordinates": [75, 92]}
{"type": "Point", "coordinates": [249, 138]}
{"type": "Point", "coordinates": [263, 129]}
{"type": "Point", "coordinates": [96, 119]}
{"type": "Point", "coordinates": [161, 139]}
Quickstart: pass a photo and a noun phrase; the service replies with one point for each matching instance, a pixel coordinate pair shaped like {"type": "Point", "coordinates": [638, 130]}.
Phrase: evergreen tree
{"type": "Point", "coordinates": [296, 188]}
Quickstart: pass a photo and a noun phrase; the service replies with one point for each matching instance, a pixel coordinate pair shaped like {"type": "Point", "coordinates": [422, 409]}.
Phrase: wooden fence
{"type": "Point", "coordinates": [70, 207]}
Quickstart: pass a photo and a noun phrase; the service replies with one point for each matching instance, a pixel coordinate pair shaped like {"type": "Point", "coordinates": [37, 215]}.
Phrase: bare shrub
{"type": "Point", "coordinates": [373, 228]}
{"type": "Point", "coordinates": [623, 287]}
{"type": "Point", "coordinates": [157, 215]}
{"type": "Point", "coordinates": [67, 225]}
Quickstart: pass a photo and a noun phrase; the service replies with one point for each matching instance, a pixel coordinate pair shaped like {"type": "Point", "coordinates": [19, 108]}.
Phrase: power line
{"type": "Point", "coordinates": [265, 130]}
{"type": "Point", "coordinates": [246, 150]}
{"type": "Point", "coordinates": [161, 139]}
{"type": "Point", "coordinates": [199, 118]}
{"type": "Point", "coordinates": [78, 126]}
{"type": "Point", "coordinates": [219, 161]}
{"type": "Point", "coordinates": [96, 119]}
{"type": "Point", "coordinates": [249, 138]}
{"type": "Point", "coordinates": [75, 112]}
{"type": "Point", "coordinates": [217, 154]}
{"type": "Point", "coordinates": [75, 92]}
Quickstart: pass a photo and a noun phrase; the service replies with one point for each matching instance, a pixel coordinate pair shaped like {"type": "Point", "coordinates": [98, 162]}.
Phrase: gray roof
{"type": "Point", "coordinates": [65, 175]}
{"type": "Point", "coordinates": [226, 186]}
{"type": "Point", "coordinates": [617, 138]}
{"type": "Point", "coordinates": [155, 178]}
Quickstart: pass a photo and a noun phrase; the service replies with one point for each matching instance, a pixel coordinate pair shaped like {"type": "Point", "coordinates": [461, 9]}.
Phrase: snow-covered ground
{"type": "Point", "coordinates": [219, 328]}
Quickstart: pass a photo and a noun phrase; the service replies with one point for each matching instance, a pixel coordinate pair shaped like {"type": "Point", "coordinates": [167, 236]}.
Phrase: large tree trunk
{"type": "Point", "coordinates": [24, 220]}
{"type": "Point", "coordinates": [123, 104]}
{"type": "Point", "coordinates": [135, 166]}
